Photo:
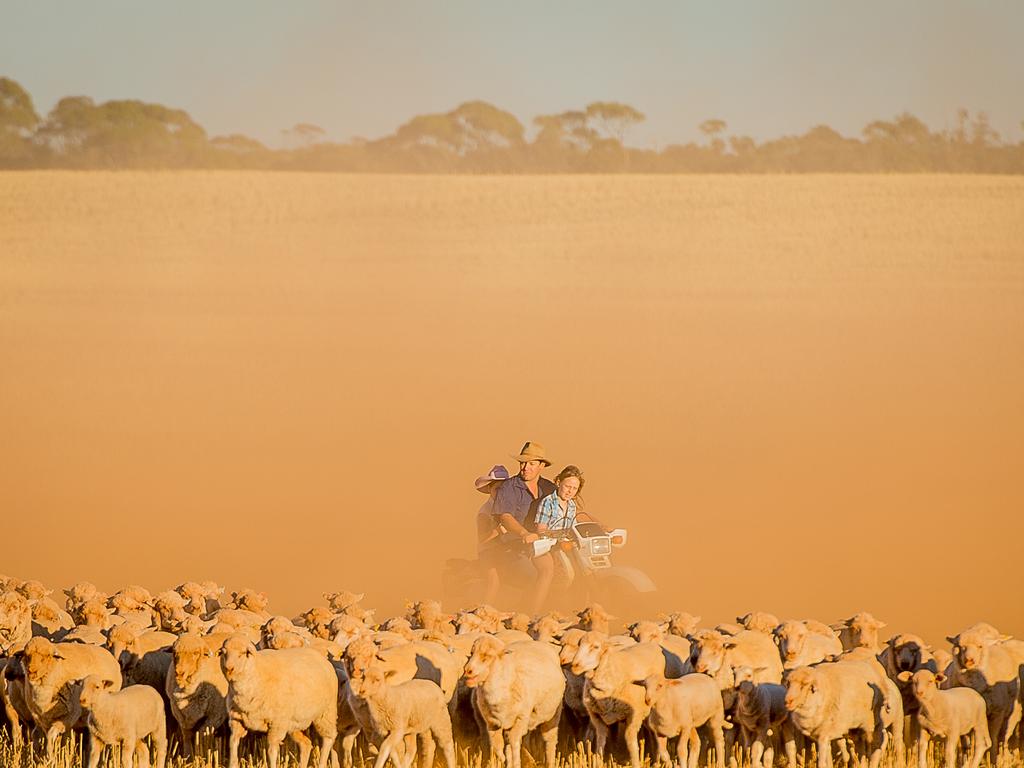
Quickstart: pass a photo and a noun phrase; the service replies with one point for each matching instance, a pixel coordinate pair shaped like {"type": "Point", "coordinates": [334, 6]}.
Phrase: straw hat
{"type": "Point", "coordinates": [533, 452]}
{"type": "Point", "coordinates": [497, 473]}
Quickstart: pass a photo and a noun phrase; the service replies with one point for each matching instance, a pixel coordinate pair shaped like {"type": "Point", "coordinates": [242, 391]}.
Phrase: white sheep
{"type": "Point", "coordinates": [611, 692]}
{"type": "Point", "coordinates": [984, 664]}
{"type": "Point", "coordinates": [678, 708]}
{"type": "Point", "coordinates": [53, 675]}
{"type": "Point", "coordinates": [414, 707]}
{"type": "Point", "coordinates": [715, 654]}
{"type": "Point", "coordinates": [281, 693]}
{"type": "Point", "coordinates": [859, 631]}
{"type": "Point", "coordinates": [758, 621]}
{"type": "Point", "coordinates": [949, 714]}
{"type": "Point", "coordinates": [801, 647]}
{"type": "Point", "coordinates": [124, 718]}
{"type": "Point", "coordinates": [517, 688]}
{"type": "Point", "coordinates": [829, 700]}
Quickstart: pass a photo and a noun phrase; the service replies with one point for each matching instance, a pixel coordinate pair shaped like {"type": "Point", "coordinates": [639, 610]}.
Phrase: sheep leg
{"type": "Point", "coordinates": [143, 752]}
{"type": "Point", "coordinates": [757, 752]}
{"type": "Point", "coordinates": [393, 740]}
{"type": "Point", "coordinates": [632, 735]}
{"type": "Point", "coordinates": [600, 735]}
{"type": "Point", "coordinates": [825, 752]}
{"type": "Point", "coordinates": [95, 750]}
{"type": "Point", "coordinates": [160, 747]}
{"type": "Point", "coordinates": [996, 723]}
{"type": "Point", "coordinates": [275, 738]}
{"type": "Point", "coordinates": [237, 731]}
{"type": "Point", "coordinates": [496, 744]}
{"type": "Point", "coordinates": [694, 748]}
{"type": "Point", "coordinates": [427, 749]}
{"type": "Point", "coordinates": [789, 743]}
{"type": "Point", "coordinates": [347, 747]}
{"type": "Point", "coordinates": [442, 733]}
{"type": "Point", "coordinates": [128, 753]}
{"type": "Point", "coordinates": [683, 750]}
{"type": "Point", "coordinates": [11, 712]}
{"type": "Point", "coordinates": [515, 741]}
{"type": "Point", "coordinates": [977, 747]}
{"type": "Point", "coordinates": [922, 748]}
{"type": "Point", "coordinates": [875, 744]}
{"type": "Point", "coordinates": [1012, 721]}
{"type": "Point", "coordinates": [661, 750]}
{"type": "Point", "coordinates": [188, 742]}
{"type": "Point", "coordinates": [718, 736]}
{"type": "Point", "coordinates": [951, 744]}
{"type": "Point", "coordinates": [53, 733]}
{"type": "Point", "coordinates": [305, 747]}
{"type": "Point", "coordinates": [405, 755]}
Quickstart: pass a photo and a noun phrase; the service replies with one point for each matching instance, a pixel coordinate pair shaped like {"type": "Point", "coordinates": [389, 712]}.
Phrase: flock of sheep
{"type": "Point", "coordinates": [132, 668]}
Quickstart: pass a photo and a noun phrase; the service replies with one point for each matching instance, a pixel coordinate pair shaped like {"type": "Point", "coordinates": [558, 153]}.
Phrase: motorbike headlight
{"type": "Point", "coordinates": [602, 546]}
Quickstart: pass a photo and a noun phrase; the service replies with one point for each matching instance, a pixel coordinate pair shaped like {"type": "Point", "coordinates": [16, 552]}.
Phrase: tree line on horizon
{"type": "Point", "coordinates": [478, 137]}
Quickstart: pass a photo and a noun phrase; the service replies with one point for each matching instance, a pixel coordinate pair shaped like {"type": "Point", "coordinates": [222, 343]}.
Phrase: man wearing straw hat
{"type": "Point", "coordinates": [518, 496]}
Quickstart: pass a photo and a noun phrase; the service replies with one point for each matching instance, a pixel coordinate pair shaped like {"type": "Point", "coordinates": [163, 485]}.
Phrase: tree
{"type": "Point", "coordinates": [613, 119]}
{"type": "Point", "coordinates": [484, 126]}
{"type": "Point", "coordinates": [982, 132]}
{"type": "Point", "coordinates": [17, 115]}
{"type": "Point", "coordinates": [18, 119]}
{"type": "Point", "coordinates": [713, 129]}
{"type": "Point", "coordinates": [304, 135]}
{"type": "Point", "coordinates": [475, 132]}
{"type": "Point", "coordinates": [125, 133]}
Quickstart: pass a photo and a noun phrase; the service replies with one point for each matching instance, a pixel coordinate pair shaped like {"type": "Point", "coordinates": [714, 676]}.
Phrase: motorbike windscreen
{"type": "Point", "coordinates": [586, 530]}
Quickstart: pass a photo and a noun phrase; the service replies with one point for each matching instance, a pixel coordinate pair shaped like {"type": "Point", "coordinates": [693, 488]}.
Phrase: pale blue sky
{"type": "Point", "coordinates": [360, 69]}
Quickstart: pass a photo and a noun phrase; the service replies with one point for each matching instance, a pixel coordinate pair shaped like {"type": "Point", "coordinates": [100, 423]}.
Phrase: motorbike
{"type": "Point", "coordinates": [585, 571]}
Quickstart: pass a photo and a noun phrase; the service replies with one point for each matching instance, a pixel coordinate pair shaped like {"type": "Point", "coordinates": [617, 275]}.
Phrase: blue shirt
{"type": "Point", "coordinates": [514, 498]}
{"type": "Point", "coordinates": [550, 513]}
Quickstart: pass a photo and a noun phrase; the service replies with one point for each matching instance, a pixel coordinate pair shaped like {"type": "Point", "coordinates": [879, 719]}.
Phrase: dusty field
{"type": "Point", "coordinates": [801, 394]}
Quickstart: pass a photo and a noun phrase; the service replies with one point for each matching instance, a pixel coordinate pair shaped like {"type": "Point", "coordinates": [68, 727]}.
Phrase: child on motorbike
{"type": "Point", "coordinates": [557, 511]}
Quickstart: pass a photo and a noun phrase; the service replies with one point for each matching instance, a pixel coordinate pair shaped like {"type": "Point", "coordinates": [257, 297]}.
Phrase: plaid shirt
{"type": "Point", "coordinates": [550, 513]}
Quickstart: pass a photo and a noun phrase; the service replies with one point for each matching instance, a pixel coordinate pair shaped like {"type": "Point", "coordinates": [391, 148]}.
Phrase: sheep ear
{"type": "Point", "coordinates": [940, 678]}
{"type": "Point", "coordinates": [952, 640]}
{"type": "Point", "coordinates": [108, 683]}
{"type": "Point", "coordinates": [904, 677]}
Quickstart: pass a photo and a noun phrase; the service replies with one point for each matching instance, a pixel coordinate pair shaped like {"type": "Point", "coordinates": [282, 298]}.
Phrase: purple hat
{"type": "Point", "coordinates": [497, 473]}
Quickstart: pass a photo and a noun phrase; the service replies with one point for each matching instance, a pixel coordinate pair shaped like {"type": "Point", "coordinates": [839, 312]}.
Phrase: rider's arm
{"type": "Point", "coordinates": [514, 526]}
